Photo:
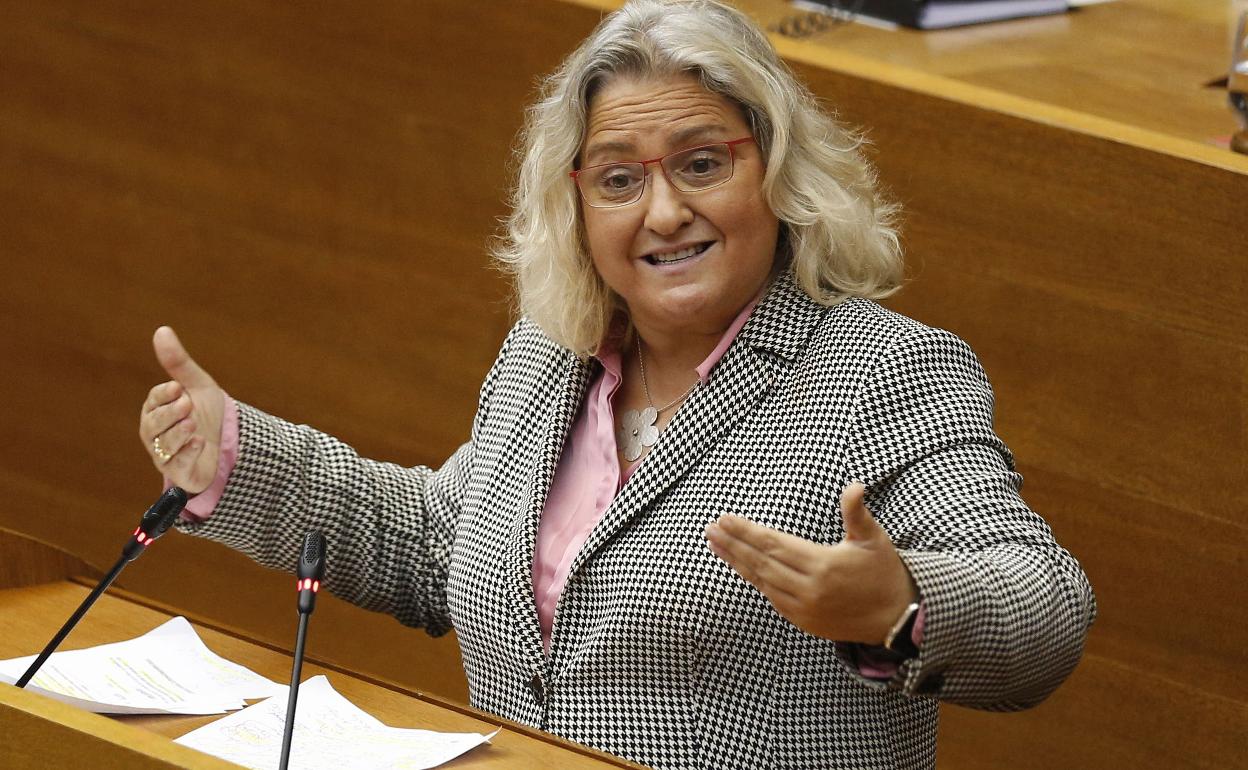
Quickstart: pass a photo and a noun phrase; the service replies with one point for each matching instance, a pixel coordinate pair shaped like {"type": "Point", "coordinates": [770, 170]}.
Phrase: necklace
{"type": "Point", "coordinates": [637, 429]}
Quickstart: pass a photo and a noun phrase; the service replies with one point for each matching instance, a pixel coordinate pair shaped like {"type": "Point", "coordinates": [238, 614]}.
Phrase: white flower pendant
{"type": "Point", "coordinates": [637, 430]}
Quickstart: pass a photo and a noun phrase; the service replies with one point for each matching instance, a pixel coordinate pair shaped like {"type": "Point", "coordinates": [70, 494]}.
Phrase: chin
{"type": "Point", "coordinates": [694, 305]}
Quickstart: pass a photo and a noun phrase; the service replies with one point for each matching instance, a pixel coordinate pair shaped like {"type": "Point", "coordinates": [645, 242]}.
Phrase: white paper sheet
{"type": "Point", "coordinates": [331, 733]}
{"type": "Point", "coordinates": [168, 670]}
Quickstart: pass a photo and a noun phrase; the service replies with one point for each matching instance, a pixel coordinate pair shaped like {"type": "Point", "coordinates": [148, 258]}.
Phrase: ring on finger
{"type": "Point", "coordinates": [161, 453]}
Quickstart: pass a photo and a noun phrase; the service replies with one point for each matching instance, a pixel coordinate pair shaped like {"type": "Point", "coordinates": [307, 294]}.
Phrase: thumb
{"type": "Point", "coordinates": [176, 361]}
{"type": "Point", "coordinates": [860, 525]}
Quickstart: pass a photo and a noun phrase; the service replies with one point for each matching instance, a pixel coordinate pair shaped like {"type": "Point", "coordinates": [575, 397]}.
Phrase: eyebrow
{"type": "Point", "coordinates": [680, 138]}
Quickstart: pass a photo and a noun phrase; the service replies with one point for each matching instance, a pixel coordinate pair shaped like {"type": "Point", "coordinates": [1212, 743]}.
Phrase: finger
{"type": "Point", "coordinates": [793, 551]}
{"type": "Point", "coordinates": [162, 418]}
{"type": "Point", "coordinates": [860, 525]}
{"type": "Point", "coordinates": [176, 361]}
{"type": "Point", "coordinates": [755, 564]}
{"type": "Point", "coordinates": [786, 603]}
{"type": "Point", "coordinates": [749, 571]}
{"type": "Point", "coordinates": [172, 440]}
{"type": "Point", "coordinates": [161, 395]}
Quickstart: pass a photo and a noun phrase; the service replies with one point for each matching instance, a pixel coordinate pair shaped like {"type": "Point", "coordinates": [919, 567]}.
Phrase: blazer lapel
{"type": "Point", "coordinates": [773, 337]}
{"type": "Point", "coordinates": [522, 607]}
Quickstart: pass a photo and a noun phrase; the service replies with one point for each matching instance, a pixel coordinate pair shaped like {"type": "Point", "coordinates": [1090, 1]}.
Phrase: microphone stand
{"type": "Point", "coordinates": [310, 572]}
{"type": "Point", "coordinates": [73, 621]}
{"type": "Point", "coordinates": [289, 730]}
{"type": "Point", "coordinates": [155, 522]}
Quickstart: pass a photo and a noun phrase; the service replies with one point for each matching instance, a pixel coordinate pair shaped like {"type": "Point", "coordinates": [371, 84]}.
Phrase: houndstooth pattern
{"type": "Point", "coordinates": [660, 653]}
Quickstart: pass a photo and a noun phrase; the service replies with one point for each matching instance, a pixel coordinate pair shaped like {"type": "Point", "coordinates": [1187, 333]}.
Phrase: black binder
{"type": "Point", "coordinates": [940, 14]}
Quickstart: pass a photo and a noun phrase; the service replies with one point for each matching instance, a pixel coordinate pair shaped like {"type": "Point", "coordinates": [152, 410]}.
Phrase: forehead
{"type": "Point", "coordinates": [656, 114]}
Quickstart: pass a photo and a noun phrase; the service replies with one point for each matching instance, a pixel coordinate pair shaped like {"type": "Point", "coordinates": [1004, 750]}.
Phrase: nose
{"type": "Point", "coordinates": [665, 206]}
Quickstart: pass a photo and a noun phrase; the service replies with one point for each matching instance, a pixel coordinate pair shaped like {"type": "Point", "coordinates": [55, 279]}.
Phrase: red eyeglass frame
{"type": "Point", "coordinates": [576, 174]}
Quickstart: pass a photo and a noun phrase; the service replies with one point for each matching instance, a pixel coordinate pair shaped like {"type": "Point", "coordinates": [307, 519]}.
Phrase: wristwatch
{"type": "Point", "coordinates": [899, 639]}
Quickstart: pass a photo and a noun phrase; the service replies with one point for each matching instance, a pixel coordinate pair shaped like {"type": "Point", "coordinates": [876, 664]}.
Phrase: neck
{"type": "Point", "coordinates": [671, 369]}
{"type": "Point", "coordinates": [681, 352]}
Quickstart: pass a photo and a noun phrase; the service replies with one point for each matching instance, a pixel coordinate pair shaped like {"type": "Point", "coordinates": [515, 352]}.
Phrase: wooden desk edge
{"type": "Point", "coordinates": [449, 705]}
{"type": "Point", "coordinates": [816, 54]}
{"type": "Point", "coordinates": [20, 710]}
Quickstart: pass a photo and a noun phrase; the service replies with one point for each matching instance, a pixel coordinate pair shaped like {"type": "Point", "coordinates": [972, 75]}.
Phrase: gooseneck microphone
{"type": "Point", "coordinates": [154, 523]}
{"type": "Point", "coordinates": [309, 574]}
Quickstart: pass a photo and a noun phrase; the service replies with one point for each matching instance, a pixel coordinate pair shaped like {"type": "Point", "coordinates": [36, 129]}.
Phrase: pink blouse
{"type": "Point", "coordinates": [588, 478]}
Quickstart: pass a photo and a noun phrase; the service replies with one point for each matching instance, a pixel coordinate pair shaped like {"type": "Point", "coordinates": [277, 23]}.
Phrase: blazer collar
{"type": "Point", "coordinates": [775, 336]}
{"type": "Point", "coordinates": [783, 322]}
{"type": "Point", "coordinates": [574, 378]}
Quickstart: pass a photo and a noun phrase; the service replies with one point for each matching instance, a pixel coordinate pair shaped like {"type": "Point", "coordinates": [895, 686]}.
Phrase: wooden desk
{"type": "Point", "coordinates": [1141, 63]}
{"type": "Point", "coordinates": [29, 616]}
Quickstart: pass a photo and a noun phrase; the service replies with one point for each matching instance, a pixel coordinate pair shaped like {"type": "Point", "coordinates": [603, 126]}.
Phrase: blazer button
{"type": "Point", "coordinates": [535, 687]}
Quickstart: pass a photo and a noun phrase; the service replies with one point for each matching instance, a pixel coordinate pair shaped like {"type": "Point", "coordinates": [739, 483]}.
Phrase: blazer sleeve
{"type": "Point", "coordinates": [389, 528]}
{"type": "Point", "coordinates": [1007, 608]}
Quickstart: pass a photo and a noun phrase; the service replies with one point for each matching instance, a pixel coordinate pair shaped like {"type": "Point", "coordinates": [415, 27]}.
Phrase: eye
{"type": "Point", "coordinates": [614, 181]}
{"type": "Point", "coordinates": [700, 167]}
{"type": "Point", "coordinates": [701, 164]}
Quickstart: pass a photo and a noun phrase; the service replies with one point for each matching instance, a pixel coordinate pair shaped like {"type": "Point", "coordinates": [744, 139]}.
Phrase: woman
{"type": "Point", "coordinates": [641, 546]}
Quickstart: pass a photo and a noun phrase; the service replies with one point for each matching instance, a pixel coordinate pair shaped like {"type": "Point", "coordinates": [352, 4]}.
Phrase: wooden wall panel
{"type": "Point", "coordinates": [25, 561]}
{"type": "Point", "coordinates": [306, 194]}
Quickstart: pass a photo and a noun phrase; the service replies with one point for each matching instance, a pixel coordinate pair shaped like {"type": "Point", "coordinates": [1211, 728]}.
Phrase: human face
{"type": "Point", "coordinates": [684, 263]}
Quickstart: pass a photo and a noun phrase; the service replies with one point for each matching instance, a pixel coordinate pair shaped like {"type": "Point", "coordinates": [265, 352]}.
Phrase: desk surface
{"type": "Point", "coordinates": [1145, 63]}
{"type": "Point", "coordinates": [31, 615]}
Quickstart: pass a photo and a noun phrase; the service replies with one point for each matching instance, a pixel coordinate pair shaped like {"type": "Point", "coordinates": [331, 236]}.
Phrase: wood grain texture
{"type": "Point", "coordinates": [41, 733]}
{"type": "Point", "coordinates": [306, 195]}
{"type": "Point", "coordinates": [26, 561]}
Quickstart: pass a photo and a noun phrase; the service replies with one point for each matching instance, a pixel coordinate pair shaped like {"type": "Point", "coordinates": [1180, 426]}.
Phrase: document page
{"type": "Point", "coordinates": [168, 670]}
{"type": "Point", "coordinates": [331, 733]}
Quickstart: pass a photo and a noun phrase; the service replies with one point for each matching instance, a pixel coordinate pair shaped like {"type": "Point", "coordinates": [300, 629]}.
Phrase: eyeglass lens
{"type": "Point", "coordinates": [617, 184]}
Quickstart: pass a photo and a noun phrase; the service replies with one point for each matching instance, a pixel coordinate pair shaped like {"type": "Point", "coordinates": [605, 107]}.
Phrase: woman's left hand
{"type": "Point", "coordinates": [853, 591]}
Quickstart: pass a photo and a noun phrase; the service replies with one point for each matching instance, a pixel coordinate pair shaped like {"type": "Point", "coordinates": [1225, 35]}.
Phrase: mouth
{"type": "Point", "coordinates": [680, 255]}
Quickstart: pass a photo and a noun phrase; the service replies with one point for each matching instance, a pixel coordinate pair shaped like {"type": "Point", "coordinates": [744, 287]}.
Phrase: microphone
{"type": "Point", "coordinates": [155, 522]}
{"type": "Point", "coordinates": [309, 574]}
{"type": "Point", "coordinates": [311, 570]}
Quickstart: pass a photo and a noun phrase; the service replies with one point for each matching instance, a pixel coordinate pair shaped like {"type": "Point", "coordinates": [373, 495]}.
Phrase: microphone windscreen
{"type": "Point", "coordinates": [163, 512]}
{"type": "Point", "coordinates": [312, 559]}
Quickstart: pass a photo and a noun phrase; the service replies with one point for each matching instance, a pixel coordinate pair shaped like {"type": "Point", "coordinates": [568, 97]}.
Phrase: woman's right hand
{"type": "Point", "coordinates": [180, 422]}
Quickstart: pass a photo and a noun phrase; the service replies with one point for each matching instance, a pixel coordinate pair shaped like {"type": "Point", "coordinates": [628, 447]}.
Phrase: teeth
{"type": "Point", "coordinates": [676, 256]}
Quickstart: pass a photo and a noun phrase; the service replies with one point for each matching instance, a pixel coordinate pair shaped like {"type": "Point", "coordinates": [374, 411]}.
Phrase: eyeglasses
{"type": "Point", "coordinates": [618, 184]}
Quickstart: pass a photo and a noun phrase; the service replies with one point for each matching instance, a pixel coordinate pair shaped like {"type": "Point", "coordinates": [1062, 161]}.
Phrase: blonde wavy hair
{"type": "Point", "coordinates": [837, 232]}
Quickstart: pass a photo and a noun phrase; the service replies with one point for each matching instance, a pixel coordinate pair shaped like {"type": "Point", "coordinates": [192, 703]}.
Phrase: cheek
{"type": "Point", "coordinates": [608, 239]}
{"type": "Point", "coordinates": [596, 241]}
{"type": "Point", "coordinates": [592, 232]}
{"type": "Point", "coordinates": [734, 210]}
{"type": "Point", "coordinates": [755, 227]}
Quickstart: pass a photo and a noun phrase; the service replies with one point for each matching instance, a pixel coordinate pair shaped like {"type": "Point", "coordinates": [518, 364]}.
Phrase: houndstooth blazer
{"type": "Point", "coordinates": [660, 652]}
